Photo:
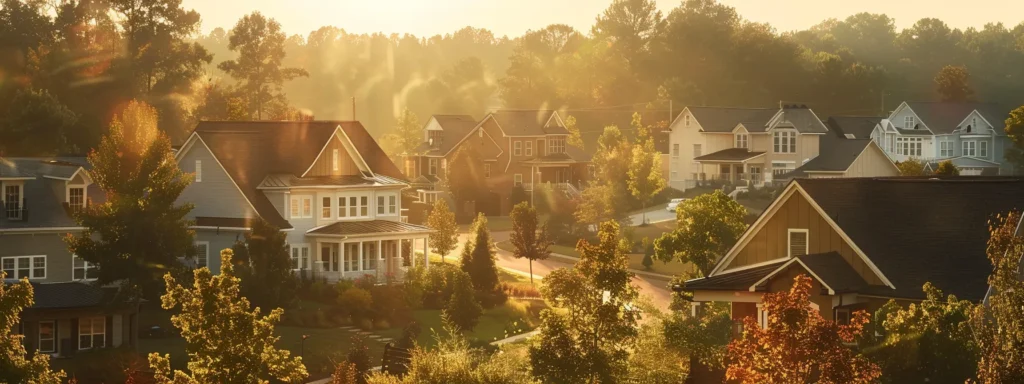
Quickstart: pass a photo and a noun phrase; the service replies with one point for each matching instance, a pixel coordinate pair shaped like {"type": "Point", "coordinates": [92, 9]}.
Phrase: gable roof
{"type": "Point", "coordinates": [858, 126]}
{"type": "Point", "coordinates": [917, 230]}
{"type": "Point", "coordinates": [943, 117]}
{"type": "Point", "coordinates": [527, 122]}
{"type": "Point", "coordinates": [251, 150]}
{"type": "Point", "coordinates": [453, 129]}
{"type": "Point", "coordinates": [836, 156]}
{"type": "Point", "coordinates": [725, 119]}
{"type": "Point", "coordinates": [44, 207]}
{"type": "Point", "coordinates": [802, 119]}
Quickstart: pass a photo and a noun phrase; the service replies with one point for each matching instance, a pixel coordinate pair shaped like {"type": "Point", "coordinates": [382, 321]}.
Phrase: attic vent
{"type": "Point", "coordinates": [850, 136]}
{"type": "Point", "coordinates": [797, 242]}
{"type": "Point", "coordinates": [968, 129]}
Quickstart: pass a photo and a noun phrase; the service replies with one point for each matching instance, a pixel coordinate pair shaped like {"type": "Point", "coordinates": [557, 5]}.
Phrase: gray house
{"type": "Point", "coordinates": [70, 314]}
{"type": "Point", "coordinates": [327, 184]}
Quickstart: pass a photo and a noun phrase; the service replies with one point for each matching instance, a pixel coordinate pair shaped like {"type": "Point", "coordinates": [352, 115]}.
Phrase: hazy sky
{"type": "Point", "coordinates": [513, 17]}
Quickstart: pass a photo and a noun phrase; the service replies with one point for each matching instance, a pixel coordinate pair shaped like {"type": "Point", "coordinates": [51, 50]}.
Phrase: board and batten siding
{"type": "Point", "coordinates": [52, 245]}
{"type": "Point", "coordinates": [771, 240]}
{"type": "Point", "coordinates": [872, 163]}
{"type": "Point", "coordinates": [324, 166]}
{"type": "Point", "coordinates": [216, 195]}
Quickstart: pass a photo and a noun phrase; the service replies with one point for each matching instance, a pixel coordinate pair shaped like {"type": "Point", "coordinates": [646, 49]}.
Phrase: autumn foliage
{"type": "Point", "coordinates": [799, 346]}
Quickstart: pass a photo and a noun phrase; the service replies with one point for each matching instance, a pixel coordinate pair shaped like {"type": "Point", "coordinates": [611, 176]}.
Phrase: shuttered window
{"type": "Point", "coordinates": [797, 242]}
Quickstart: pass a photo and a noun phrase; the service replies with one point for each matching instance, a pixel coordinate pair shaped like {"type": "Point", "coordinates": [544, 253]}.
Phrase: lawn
{"type": "Point", "coordinates": [512, 318]}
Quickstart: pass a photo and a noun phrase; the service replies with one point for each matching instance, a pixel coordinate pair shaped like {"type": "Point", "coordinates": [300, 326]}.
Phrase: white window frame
{"type": "Point", "coordinates": [432, 166]}
{"type": "Point", "coordinates": [202, 260]}
{"type": "Point", "coordinates": [365, 258]}
{"type": "Point", "coordinates": [85, 268]}
{"type": "Point", "coordinates": [784, 141]}
{"type": "Point", "coordinates": [326, 210]}
{"type": "Point", "coordinates": [199, 171]}
{"type": "Point", "coordinates": [517, 180]}
{"type": "Point", "coordinates": [517, 148]}
{"type": "Point", "coordinates": [741, 140]}
{"type": "Point", "coordinates": [675, 151]}
{"type": "Point", "coordinates": [342, 206]}
{"type": "Point", "coordinates": [296, 256]}
{"type": "Point", "coordinates": [945, 149]}
{"type": "Point", "coordinates": [301, 206]}
{"type": "Point", "coordinates": [789, 241]}
{"type": "Point", "coordinates": [392, 205]}
{"type": "Point", "coordinates": [30, 271]}
{"type": "Point", "coordinates": [842, 311]}
{"type": "Point", "coordinates": [18, 212]}
{"type": "Point", "coordinates": [780, 168]}
{"type": "Point", "coordinates": [983, 148]}
{"type": "Point", "coordinates": [92, 332]}
{"type": "Point", "coordinates": [350, 260]}
{"type": "Point", "coordinates": [52, 339]}
{"type": "Point", "coordinates": [67, 193]}
{"type": "Point", "coordinates": [909, 122]}
{"type": "Point", "coordinates": [381, 204]}
{"type": "Point", "coordinates": [686, 120]}
{"type": "Point", "coordinates": [528, 148]}
{"type": "Point", "coordinates": [556, 145]}
{"type": "Point", "coordinates": [697, 150]}
{"type": "Point", "coordinates": [971, 149]}
{"type": "Point", "coordinates": [360, 208]}
{"type": "Point", "coordinates": [335, 160]}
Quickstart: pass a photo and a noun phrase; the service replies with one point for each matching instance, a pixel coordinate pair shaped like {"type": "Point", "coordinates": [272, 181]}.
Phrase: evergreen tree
{"type": "Point", "coordinates": [260, 44]}
{"type": "Point", "coordinates": [136, 169]}
{"type": "Point", "coordinates": [446, 230]}
{"type": "Point", "coordinates": [479, 261]}
{"type": "Point", "coordinates": [527, 241]}
{"type": "Point", "coordinates": [266, 266]}
{"type": "Point", "coordinates": [226, 341]}
{"type": "Point", "coordinates": [14, 366]}
{"type": "Point", "coordinates": [463, 310]}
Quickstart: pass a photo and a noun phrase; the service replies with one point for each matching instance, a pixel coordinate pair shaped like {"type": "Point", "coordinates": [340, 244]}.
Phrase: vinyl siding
{"type": "Point", "coordinates": [872, 163]}
{"type": "Point", "coordinates": [770, 241]}
{"type": "Point", "coordinates": [58, 258]}
{"type": "Point", "coordinates": [324, 165]}
{"type": "Point", "coordinates": [685, 136]}
{"type": "Point", "coordinates": [216, 195]}
{"type": "Point", "coordinates": [218, 242]}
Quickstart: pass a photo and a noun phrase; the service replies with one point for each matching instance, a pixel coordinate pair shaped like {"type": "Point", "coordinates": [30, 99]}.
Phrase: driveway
{"type": "Point", "coordinates": [654, 288]}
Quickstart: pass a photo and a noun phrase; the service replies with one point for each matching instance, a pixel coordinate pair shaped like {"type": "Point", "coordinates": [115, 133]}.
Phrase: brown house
{"type": "Point", "coordinates": [864, 241]}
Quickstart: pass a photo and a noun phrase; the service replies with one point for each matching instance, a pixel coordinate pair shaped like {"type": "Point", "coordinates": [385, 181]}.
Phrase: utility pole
{"type": "Point", "coordinates": [670, 112]}
{"type": "Point", "coordinates": [353, 108]}
{"type": "Point", "coordinates": [882, 111]}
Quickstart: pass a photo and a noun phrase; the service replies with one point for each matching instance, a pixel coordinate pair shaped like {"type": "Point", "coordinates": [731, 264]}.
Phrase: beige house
{"type": "Point", "coordinates": [847, 151]}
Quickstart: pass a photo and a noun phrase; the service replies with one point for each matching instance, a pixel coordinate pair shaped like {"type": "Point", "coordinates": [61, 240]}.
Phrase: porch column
{"type": "Point", "coordinates": [426, 254]}
{"type": "Point", "coordinates": [380, 257]}
{"type": "Point", "coordinates": [533, 184]}
{"type": "Point", "coordinates": [360, 245]}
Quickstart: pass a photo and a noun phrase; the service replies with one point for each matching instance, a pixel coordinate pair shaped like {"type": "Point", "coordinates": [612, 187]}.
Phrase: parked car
{"type": "Point", "coordinates": [672, 204]}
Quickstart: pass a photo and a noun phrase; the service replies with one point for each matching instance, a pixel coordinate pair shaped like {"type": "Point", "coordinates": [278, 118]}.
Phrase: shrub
{"type": "Point", "coordinates": [342, 285]}
{"type": "Point", "coordinates": [357, 302]}
{"type": "Point", "coordinates": [359, 357]}
{"type": "Point", "coordinates": [490, 300]}
{"type": "Point", "coordinates": [366, 282]}
{"type": "Point", "coordinates": [463, 310]}
{"type": "Point", "coordinates": [437, 290]}
{"type": "Point", "coordinates": [519, 290]}
{"type": "Point", "coordinates": [410, 334]}
{"type": "Point", "coordinates": [389, 304]}
{"type": "Point", "coordinates": [366, 324]}
{"type": "Point", "coordinates": [344, 373]}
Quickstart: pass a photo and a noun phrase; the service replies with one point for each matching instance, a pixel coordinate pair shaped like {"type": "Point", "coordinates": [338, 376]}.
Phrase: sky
{"type": "Point", "coordinates": [514, 17]}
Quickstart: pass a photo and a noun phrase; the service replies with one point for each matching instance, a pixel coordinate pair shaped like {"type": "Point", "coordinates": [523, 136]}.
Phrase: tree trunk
{"type": "Point", "coordinates": [531, 272]}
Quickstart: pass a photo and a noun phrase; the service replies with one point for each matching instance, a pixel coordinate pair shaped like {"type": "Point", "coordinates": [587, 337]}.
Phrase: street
{"type": "Point", "coordinates": [654, 215]}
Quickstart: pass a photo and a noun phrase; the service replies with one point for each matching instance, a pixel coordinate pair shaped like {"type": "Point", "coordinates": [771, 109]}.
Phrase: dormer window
{"type": "Point", "coordinates": [741, 140]}
{"type": "Point", "coordinates": [76, 198]}
{"type": "Point", "coordinates": [909, 122]}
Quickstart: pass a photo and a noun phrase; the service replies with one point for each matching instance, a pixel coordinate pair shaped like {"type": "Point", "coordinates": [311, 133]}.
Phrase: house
{"type": "Point", "coordinates": [742, 146]}
{"type": "Point", "coordinates": [969, 134]}
{"type": "Point", "coordinates": [864, 241]}
{"type": "Point", "coordinates": [847, 151]}
{"type": "Point", "coordinates": [70, 313]}
{"type": "Point", "coordinates": [326, 184]}
{"type": "Point", "coordinates": [441, 136]}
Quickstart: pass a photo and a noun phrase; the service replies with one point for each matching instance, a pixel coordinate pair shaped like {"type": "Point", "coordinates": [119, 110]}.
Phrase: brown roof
{"type": "Point", "coordinates": [526, 122]}
{"type": "Point", "coordinates": [251, 150]}
{"type": "Point", "coordinates": [453, 129]}
{"type": "Point", "coordinates": [732, 281]}
{"type": "Point", "coordinates": [349, 228]}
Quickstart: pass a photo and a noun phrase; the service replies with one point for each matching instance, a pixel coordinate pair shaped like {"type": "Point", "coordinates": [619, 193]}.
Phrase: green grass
{"type": "Point", "coordinates": [512, 318]}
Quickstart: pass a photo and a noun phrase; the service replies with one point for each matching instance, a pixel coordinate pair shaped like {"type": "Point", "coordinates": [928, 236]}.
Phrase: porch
{"type": "Point", "coordinates": [560, 175]}
{"type": "Point", "coordinates": [380, 248]}
{"type": "Point", "coordinates": [733, 166]}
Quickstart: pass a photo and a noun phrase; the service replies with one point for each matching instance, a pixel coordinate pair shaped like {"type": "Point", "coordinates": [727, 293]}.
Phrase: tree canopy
{"type": "Point", "coordinates": [528, 241]}
{"type": "Point", "coordinates": [707, 226]}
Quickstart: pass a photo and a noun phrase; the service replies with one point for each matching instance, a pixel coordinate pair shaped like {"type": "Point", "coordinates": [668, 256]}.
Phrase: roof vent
{"type": "Point", "coordinates": [850, 136]}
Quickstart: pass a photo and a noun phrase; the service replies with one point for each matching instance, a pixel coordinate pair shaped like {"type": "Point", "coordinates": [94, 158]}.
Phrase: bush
{"type": "Point", "coordinates": [357, 302]}
{"type": "Point", "coordinates": [518, 195]}
{"type": "Point", "coordinates": [341, 286]}
{"type": "Point", "coordinates": [463, 310]}
{"type": "Point", "coordinates": [490, 300]}
{"type": "Point", "coordinates": [390, 305]}
{"type": "Point", "coordinates": [366, 282]}
{"type": "Point", "coordinates": [437, 290]}
{"type": "Point", "coordinates": [519, 290]}
{"type": "Point", "coordinates": [413, 287]}
{"type": "Point", "coordinates": [359, 357]}
{"type": "Point", "coordinates": [366, 324]}
{"type": "Point", "coordinates": [410, 334]}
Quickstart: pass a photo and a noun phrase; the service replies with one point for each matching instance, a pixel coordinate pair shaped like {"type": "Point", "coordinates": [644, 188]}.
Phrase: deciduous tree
{"type": "Point", "coordinates": [911, 167]}
{"type": "Point", "coordinates": [999, 325]}
{"type": "Point", "coordinates": [36, 124]}
{"type": "Point", "coordinates": [527, 241]}
{"type": "Point", "coordinates": [258, 69]}
{"type": "Point", "coordinates": [953, 84]}
{"type": "Point", "coordinates": [644, 175]}
{"type": "Point", "coordinates": [1015, 131]}
{"type": "Point", "coordinates": [575, 138]}
{"type": "Point", "coordinates": [226, 341]}
{"type": "Point", "coordinates": [409, 131]}
{"type": "Point", "coordinates": [707, 226]}
{"type": "Point", "coordinates": [446, 230]}
{"type": "Point", "coordinates": [946, 168]}
{"type": "Point", "coordinates": [607, 197]}
{"type": "Point", "coordinates": [798, 345]}
{"type": "Point", "coordinates": [704, 337]}
{"type": "Point", "coordinates": [14, 366]}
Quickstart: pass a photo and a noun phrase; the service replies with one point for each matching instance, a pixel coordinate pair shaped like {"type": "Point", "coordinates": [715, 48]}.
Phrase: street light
{"type": "Point", "coordinates": [302, 345]}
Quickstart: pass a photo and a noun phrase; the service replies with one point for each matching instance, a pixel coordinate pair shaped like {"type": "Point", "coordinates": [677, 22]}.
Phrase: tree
{"type": "Point", "coordinates": [36, 124]}
{"type": "Point", "coordinates": [999, 326]}
{"type": "Point", "coordinates": [359, 358]}
{"type": "Point", "coordinates": [798, 345]}
{"type": "Point", "coordinates": [704, 337]}
{"type": "Point", "coordinates": [930, 340]}
{"type": "Point", "coordinates": [478, 258]}
{"type": "Point", "coordinates": [1015, 131]}
{"type": "Point", "coordinates": [136, 169]}
{"type": "Point", "coordinates": [946, 168]}
{"type": "Point", "coordinates": [260, 45]}
{"type": "Point", "coordinates": [644, 175]}
{"type": "Point", "coordinates": [630, 25]}
{"type": "Point", "coordinates": [157, 34]}
{"type": "Point", "coordinates": [465, 176]}
{"type": "Point", "coordinates": [14, 366]}
{"type": "Point", "coordinates": [911, 167]}
{"type": "Point", "coordinates": [953, 84]}
{"type": "Point", "coordinates": [226, 341]}
{"type": "Point", "coordinates": [607, 196]}
{"type": "Point", "coordinates": [463, 310]}
{"type": "Point", "coordinates": [589, 337]}
{"type": "Point", "coordinates": [409, 131]}
{"type": "Point", "coordinates": [575, 138]}
{"type": "Point", "coordinates": [527, 241]}
{"type": "Point", "coordinates": [446, 231]}
{"type": "Point", "coordinates": [707, 226]}
{"type": "Point", "coordinates": [265, 266]}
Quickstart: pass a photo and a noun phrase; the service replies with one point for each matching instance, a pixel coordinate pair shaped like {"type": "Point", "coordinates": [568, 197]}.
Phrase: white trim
{"type": "Point", "coordinates": [53, 335]}
{"type": "Point", "coordinates": [103, 321]}
{"type": "Point", "coordinates": [349, 147]}
{"type": "Point", "coordinates": [975, 112]}
{"type": "Point", "coordinates": [86, 266]}
{"type": "Point", "coordinates": [181, 153]}
{"type": "Point", "coordinates": [206, 257]}
{"type": "Point", "coordinates": [80, 169]}
{"type": "Point", "coordinates": [19, 178]}
{"type": "Point", "coordinates": [755, 265]}
{"type": "Point", "coordinates": [31, 266]}
{"type": "Point", "coordinates": [753, 287]}
{"type": "Point", "coordinates": [224, 228]}
{"type": "Point", "coordinates": [789, 240]}
{"type": "Point", "coordinates": [309, 255]}
{"type": "Point", "coordinates": [916, 117]}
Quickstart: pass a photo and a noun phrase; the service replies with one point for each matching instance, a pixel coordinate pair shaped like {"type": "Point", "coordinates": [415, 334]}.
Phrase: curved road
{"type": "Point", "coordinates": [654, 288]}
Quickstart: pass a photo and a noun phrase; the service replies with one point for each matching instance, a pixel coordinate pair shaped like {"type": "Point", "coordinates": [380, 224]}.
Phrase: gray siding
{"type": "Point", "coordinates": [216, 195]}
{"type": "Point", "coordinates": [58, 258]}
{"type": "Point", "coordinates": [218, 242]}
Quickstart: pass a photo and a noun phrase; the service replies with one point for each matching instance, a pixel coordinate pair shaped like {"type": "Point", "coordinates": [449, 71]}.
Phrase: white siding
{"type": "Point", "coordinates": [686, 137]}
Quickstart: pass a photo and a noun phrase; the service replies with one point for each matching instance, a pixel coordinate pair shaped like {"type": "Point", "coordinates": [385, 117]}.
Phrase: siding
{"type": "Point", "coordinates": [58, 258]}
{"type": "Point", "coordinates": [216, 195]}
{"type": "Point", "coordinates": [324, 165]}
{"type": "Point", "coordinates": [686, 137]}
{"type": "Point", "coordinates": [771, 240]}
{"type": "Point", "coordinates": [872, 163]}
{"type": "Point", "coordinates": [218, 242]}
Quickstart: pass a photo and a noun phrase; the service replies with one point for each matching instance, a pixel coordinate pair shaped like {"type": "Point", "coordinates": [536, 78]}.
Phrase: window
{"type": "Point", "coordinates": [888, 144]}
{"type": "Point", "coordinates": [335, 160]}
{"type": "Point", "coordinates": [696, 150]}
{"type": "Point", "coordinates": [529, 148]}
{"type": "Point", "coordinates": [199, 171]}
{"type": "Point", "coordinates": [945, 149]}
{"type": "Point", "coordinates": [382, 204]}
{"type": "Point", "coordinates": [556, 145]}
{"type": "Point", "coordinates": [673, 175]}
{"type": "Point", "coordinates": [301, 207]}
{"type": "Point", "coordinates": [46, 337]}
{"type": "Point", "coordinates": [909, 146]}
{"type": "Point", "coordinates": [487, 171]}
{"type": "Point", "coordinates": [970, 148]}
{"type": "Point", "coordinates": [392, 205]}
{"type": "Point", "coordinates": [517, 180]}
{"type": "Point", "coordinates": [982, 149]}
{"type": "Point", "coordinates": [842, 316]}
{"type": "Point", "coordinates": [202, 253]}
{"type": "Point", "coordinates": [517, 148]}
{"type": "Point", "coordinates": [364, 202]}
{"type": "Point", "coordinates": [909, 122]}
{"type": "Point", "coordinates": [17, 267]}
{"type": "Point", "coordinates": [353, 206]}
{"type": "Point", "coordinates": [369, 256]}
{"type": "Point", "coordinates": [686, 120]}
{"type": "Point", "coordinates": [675, 150]}
{"type": "Point", "coordinates": [779, 169]}
{"type": "Point", "coordinates": [342, 211]}
{"type": "Point", "coordinates": [12, 201]}
{"type": "Point", "coordinates": [76, 198]}
{"type": "Point", "coordinates": [351, 262]}
{"type": "Point", "coordinates": [92, 332]}
{"type": "Point", "coordinates": [785, 141]}
{"type": "Point", "coordinates": [300, 256]}
{"type": "Point", "coordinates": [741, 141]}
{"type": "Point", "coordinates": [325, 208]}
{"type": "Point", "coordinates": [797, 242]}
{"type": "Point", "coordinates": [480, 133]}
{"type": "Point", "coordinates": [82, 270]}
{"type": "Point", "coordinates": [432, 166]}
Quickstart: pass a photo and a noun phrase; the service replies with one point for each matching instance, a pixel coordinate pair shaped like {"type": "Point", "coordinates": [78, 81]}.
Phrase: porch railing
{"type": "Point", "coordinates": [739, 179]}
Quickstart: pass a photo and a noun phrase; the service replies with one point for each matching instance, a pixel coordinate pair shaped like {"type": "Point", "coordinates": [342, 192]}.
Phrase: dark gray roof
{"type": "Point", "coordinates": [71, 295]}
{"type": "Point", "coordinates": [834, 271]}
{"type": "Point", "coordinates": [730, 154]}
{"type": "Point", "coordinates": [347, 228]}
{"type": "Point", "coordinates": [961, 162]}
{"type": "Point", "coordinates": [919, 230]}
{"type": "Point", "coordinates": [725, 119]}
{"type": "Point", "coordinates": [44, 207]}
{"type": "Point", "coordinates": [453, 129]}
{"type": "Point", "coordinates": [943, 117]}
{"type": "Point", "coordinates": [858, 126]}
{"type": "Point", "coordinates": [803, 119]}
{"type": "Point", "coordinates": [733, 281]}
{"type": "Point", "coordinates": [836, 155]}
{"type": "Point", "coordinates": [526, 122]}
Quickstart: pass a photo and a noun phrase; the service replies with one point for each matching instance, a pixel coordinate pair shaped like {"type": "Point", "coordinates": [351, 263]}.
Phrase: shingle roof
{"type": "Point", "coordinates": [963, 161]}
{"type": "Point", "coordinates": [918, 230]}
{"type": "Point", "coordinates": [943, 117]}
{"type": "Point", "coordinates": [525, 122]}
{"type": "Point", "coordinates": [834, 271]}
{"type": "Point", "coordinates": [836, 156]}
{"type": "Point", "coordinates": [45, 209]}
{"type": "Point", "coordinates": [71, 295]}
{"type": "Point", "coordinates": [453, 129]}
{"type": "Point", "coordinates": [803, 119]}
{"type": "Point", "coordinates": [251, 150]}
{"type": "Point", "coordinates": [730, 154]}
{"type": "Point", "coordinates": [733, 281]}
{"type": "Point", "coordinates": [725, 119]}
{"type": "Point", "coordinates": [284, 181]}
{"type": "Point", "coordinates": [858, 126]}
{"type": "Point", "coordinates": [225, 222]}
{"type": "Point", "coordinates": [349, 228]}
